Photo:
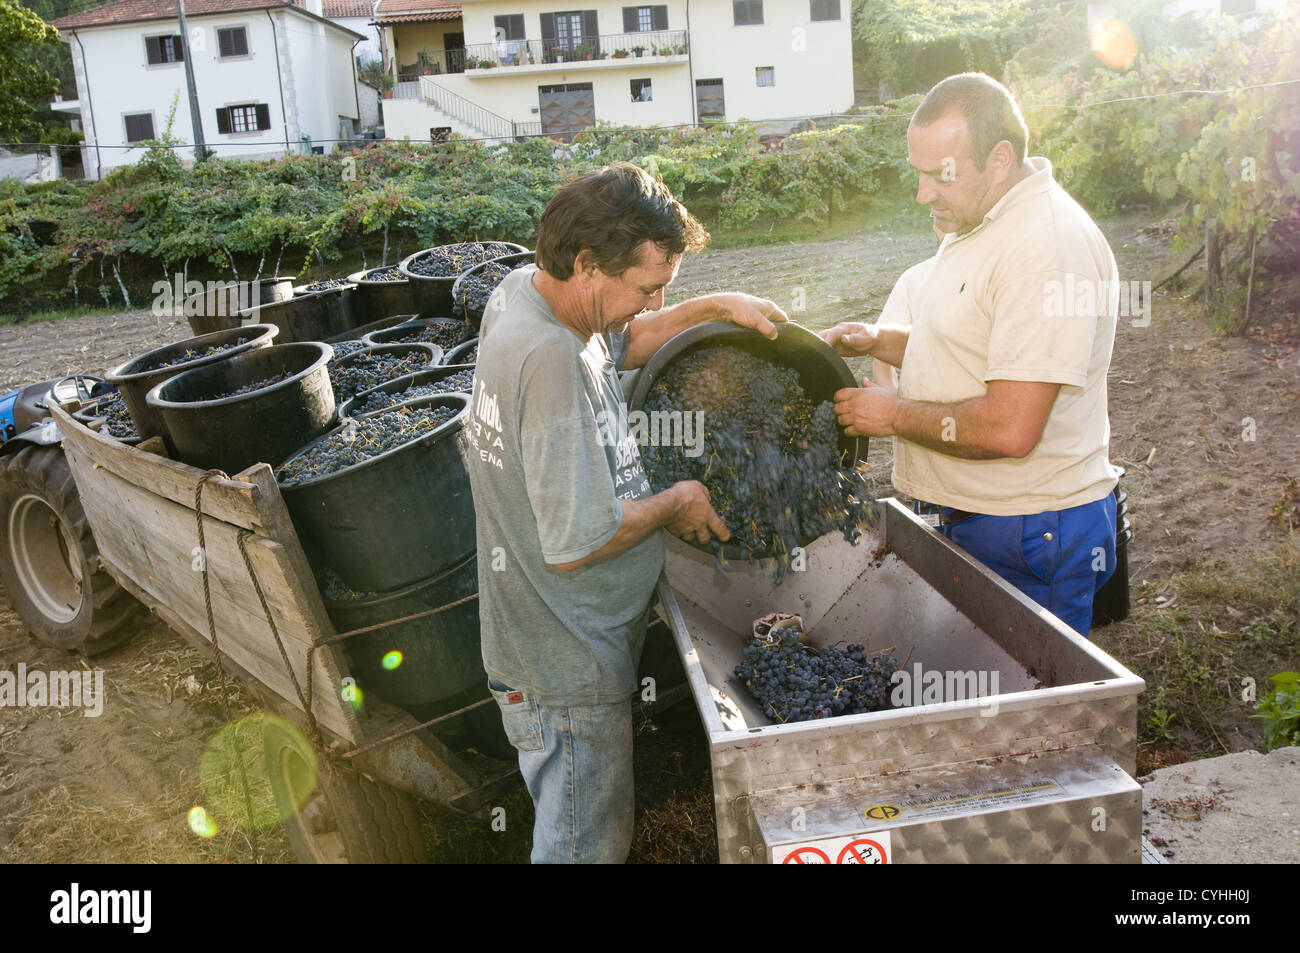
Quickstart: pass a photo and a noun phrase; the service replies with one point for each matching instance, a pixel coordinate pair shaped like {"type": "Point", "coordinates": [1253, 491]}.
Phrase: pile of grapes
{"type": "Point", "coordinates": [343, 348]}
{"type": "Point", "coordinates": [192, 355]}
{"type": "Point", "coordinates": [450, 260]}
{"type": "Point", "coordinates": [471, 357]}
{"type": "Point", "coordinates": [793, 682]}
{"type": "Point", "coordinates": [770, 456]}
{"type": "Point", "coordinates": [384, 274]}
{"type": "Point", "coordinates": [371, 370]}
{"type": "Point", "coordinates": [445, 334]}
{"type": "Point", "coordinates": [364, 439]}
{"type": "Point", "coordinates": [255, 385]}
{"type": "Point", "coordinates": [462, 382]}
{"type": "Point", "coordinates": [474, 291]}
{"type": "Point", "coordinates": [117, 419]}
{"type": "Point", "coordinates": [324, 285]}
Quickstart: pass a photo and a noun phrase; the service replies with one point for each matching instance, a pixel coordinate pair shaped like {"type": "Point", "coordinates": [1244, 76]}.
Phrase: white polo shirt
{"type": "Point", "coordinates": [1029, 294]}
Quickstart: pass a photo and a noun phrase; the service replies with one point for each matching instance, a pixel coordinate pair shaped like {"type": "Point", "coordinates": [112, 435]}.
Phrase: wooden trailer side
{"type": "Point", "coordinates": [141, 509]}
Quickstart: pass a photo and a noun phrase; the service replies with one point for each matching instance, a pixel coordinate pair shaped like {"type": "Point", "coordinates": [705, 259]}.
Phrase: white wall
{"type": "Point", "coordinates": [367, 49]}
{"type": "Point", "coordinates": [813, 62]}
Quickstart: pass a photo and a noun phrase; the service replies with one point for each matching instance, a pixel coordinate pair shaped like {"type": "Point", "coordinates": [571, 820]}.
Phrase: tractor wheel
{"type": "Point", "coordinates": [334, 814]}
{"type": "Point", "coordinates": [48, 560]}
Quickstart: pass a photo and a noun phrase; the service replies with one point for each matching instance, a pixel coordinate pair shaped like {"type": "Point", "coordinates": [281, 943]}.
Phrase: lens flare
{"type": "Point", "coordinates": [351, 693]}
{"type": "Point", "coordinates": [268, 753]}
{"type": "Point", "coordinates": [1114, 43]}
{"type": "Point", "coordinates": [392, 660]}
{"type": "Point", "coordinates": [201, 823]}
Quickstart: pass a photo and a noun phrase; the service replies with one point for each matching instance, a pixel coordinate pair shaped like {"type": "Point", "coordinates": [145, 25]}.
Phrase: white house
{"type": "Point", "coordinates": [495, 68]}
{"type": "Point", "coordinates": [271, 77]}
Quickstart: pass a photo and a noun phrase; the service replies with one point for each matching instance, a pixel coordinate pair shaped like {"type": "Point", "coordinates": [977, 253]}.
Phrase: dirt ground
{"type": "Point", "coordinates": [1206, 426]}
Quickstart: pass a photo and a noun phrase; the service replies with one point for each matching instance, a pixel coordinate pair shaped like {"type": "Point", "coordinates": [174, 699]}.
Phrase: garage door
{"type": "Point", "coordinates": [566, 109]}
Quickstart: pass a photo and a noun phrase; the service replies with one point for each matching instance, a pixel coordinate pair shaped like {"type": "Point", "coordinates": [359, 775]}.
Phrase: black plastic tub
{"type": "Point", "coordinates": [352, 407]}
{"type": "Point", "coordinates": [392, 520]}
{"type": "Point", "coordinates": [466, 353]}
{"type": "Point", "coordinates": [821, 373]}
{"type": "Point", "coordinates": [311, 317]}
{"type": "Point", "coordinates": [433, 294]}
{"type": "Point", "coordinates": [264, 425]}
{"type": "Point", "coordinates": [359, 333]}
{"type": "Point", "coordinates": [138, 376]}
{"type": "Point", "coordinates": [472, 310]}
{"type": "Point", "coordinates": [429, 666]}
{"type": "Point", "coordinates": [380, 296]}
{"type": "Point", "coordinates": [219, 307]}
{"type": "Point", "coordinates": [429, 357]}
{"type": "Point", "coordinates": [444, 333]}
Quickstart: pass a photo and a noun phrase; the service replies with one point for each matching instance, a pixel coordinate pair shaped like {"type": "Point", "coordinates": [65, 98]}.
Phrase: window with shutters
{"type": "Point", "coordinates": [565, 32]}
{"type": "Point", "coordinates": [232, 41]}
{"type": "Point", "coordinates": [825, 10]}
{"type": "Point", "coordinates": [747, 12]}
{"type": "Point", "coordinates": [139, 126]}
{"type": "Point", "coordinates": [645, 19]}
{"type": "Point", "coordinates": [246, 117]}
{"type": "Point", "coordinates": [163, 49]}
{"type": "Point", "coordinates": [765, 75]}
{"type": "Point", "coordinates": [510, 27]}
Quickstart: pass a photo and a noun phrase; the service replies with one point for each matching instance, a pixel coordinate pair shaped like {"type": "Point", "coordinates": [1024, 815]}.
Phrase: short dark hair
{"type": "Point", "coordinates": [611, 212]}
{"type": "Point", "coordinates": [990, 111]}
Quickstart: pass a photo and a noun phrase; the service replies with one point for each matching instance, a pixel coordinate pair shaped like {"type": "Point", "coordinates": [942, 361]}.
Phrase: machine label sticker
{"type": "Point", "coordinates": [966, 801]}
{"type": "Point", "coordinates": [866, 848]}
{"type": "Point", "coordinates": [882, 812]}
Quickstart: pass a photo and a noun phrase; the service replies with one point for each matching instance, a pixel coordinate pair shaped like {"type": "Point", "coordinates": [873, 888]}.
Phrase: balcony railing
{"type": "Point", "coordinates": [615, 48]}
{"type": "Point", "coordinates": [439, 62]}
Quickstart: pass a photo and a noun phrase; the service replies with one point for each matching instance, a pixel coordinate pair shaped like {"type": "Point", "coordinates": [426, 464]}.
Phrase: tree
{"type": "Point", "coordinates": [24, 81]}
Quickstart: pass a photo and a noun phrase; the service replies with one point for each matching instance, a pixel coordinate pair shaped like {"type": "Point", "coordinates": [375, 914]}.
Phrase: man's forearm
{"type": "Point", "coordinates": [640, 519]}
{"type": "Point", "coordinates": [891, 342]}
{"type": "Point", "coordinates": [958, 430]}
{"type": "Point", "coordinates": [652, 331]}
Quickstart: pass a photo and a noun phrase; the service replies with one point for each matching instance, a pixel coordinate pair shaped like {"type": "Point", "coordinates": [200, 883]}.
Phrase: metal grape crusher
{"type": "Point", "coordinates": [1016, 741]}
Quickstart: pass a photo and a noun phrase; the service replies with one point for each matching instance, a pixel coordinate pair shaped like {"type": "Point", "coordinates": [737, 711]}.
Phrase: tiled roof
{"type": "Point", "coordinates": [133, 11]}
{"type": "Point", "coordinates": [412, 11]}
{"type": "Point", "coordinates": [336, 9]}
{"type": "Point", "coordinates": [128, 11]}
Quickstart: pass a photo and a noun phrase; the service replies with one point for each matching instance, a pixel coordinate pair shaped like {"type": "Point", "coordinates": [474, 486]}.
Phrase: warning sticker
{"type": "Point", "coordinates": [853, 849]}
{"type": "Point", "coordinates": [964, 800]}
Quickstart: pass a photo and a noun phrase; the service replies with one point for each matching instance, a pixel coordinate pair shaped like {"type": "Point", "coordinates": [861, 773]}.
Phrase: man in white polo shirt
{"type": "Point", "coordinates": [1000, 413]}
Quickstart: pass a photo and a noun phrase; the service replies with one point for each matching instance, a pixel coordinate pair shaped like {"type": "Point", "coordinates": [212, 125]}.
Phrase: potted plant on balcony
{"type": "Point", "coordinates": [620, 54]}
{"type": "Point", "coordinates": [583, 51]}
{"type": "Point", "coordinates": [638, 50]}
{"type": "Point", "coordinates": [425, 57]}
{"type": "Point", "coordinates": [471, 62]}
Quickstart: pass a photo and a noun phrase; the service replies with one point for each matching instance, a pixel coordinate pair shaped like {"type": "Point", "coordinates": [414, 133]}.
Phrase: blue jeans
{"type": "Point", "coordinates": [577, 764]}
{"type": "Point", "coordinates": [1059, 558]}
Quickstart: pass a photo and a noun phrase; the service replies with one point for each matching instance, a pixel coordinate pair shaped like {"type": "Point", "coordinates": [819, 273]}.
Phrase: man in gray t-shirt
{"type": "Point", "coordinates": [569, 538]}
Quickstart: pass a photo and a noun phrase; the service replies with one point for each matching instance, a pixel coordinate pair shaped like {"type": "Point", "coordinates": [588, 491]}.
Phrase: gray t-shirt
{"type": "Point", "coordinates": [547, 470]}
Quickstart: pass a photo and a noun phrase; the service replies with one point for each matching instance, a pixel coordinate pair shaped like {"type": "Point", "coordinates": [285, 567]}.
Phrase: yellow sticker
{"type": "Point", "coordinates": [882, 812]}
